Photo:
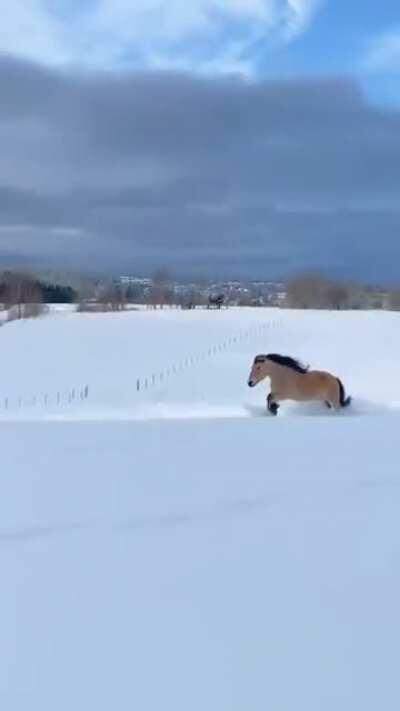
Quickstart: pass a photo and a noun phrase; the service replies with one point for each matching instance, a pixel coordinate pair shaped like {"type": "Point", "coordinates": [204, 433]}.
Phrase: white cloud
{"type": "Point", "coordinates": [217, 35]}
{"type": "Point", "coordinates": [27, 30]}
{"type": "Point", "coordinates": [383, 53]}
{"type": "Point", "coordinates": [299, 15]}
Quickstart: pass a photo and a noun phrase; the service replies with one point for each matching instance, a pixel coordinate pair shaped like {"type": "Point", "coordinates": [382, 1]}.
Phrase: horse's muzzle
{"type": "Point", "coordinates": [251, 383]}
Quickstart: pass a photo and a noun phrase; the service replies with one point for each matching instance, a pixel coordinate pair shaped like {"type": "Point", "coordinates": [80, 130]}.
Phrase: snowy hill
{"type": "Point", "coordinates": [173, 547]}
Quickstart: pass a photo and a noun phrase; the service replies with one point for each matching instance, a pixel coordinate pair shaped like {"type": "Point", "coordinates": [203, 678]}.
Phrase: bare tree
{"type": "Point", "coordinates": [107, 296]}
{"type": "Point", "coordinates": [394, 299]}
{"type": "Point", "coordinates": [21, 295]}
{"type": "Point", "coordinates": [246, 298]}
{"type": "Point", "coordinates": [312, 291]}
{"type": "Point", "coordinates": [114, 298]}
{"type": "Point", "coordinates": [160, 292]}
{"type": "Point", "coordinates": [191, 299]}
{"type": "Point", "coordinates": [336, 296]}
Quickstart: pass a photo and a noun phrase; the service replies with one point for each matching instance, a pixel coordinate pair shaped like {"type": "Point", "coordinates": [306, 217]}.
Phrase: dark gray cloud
{"type": "Point", "coordinates": [127, 172]}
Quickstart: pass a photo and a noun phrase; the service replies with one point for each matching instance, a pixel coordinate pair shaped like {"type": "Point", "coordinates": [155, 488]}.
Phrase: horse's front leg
{"type": "Point", "coordinates": [272, 404]}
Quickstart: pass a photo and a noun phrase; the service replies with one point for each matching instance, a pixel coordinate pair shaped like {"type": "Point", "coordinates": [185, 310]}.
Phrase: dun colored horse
{"type": "Point", "coordinates": [292, 381]}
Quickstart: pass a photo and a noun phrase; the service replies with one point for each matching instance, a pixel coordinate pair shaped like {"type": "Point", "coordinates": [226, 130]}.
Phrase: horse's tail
{"type": "Point", "coordinates": [344, 401]}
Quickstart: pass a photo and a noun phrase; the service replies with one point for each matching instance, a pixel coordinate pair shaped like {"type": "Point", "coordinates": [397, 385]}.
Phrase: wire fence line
{"type": "Point", "coordinates": [156, 379]}
{"type": "Point", "coordinates": [46, 400]}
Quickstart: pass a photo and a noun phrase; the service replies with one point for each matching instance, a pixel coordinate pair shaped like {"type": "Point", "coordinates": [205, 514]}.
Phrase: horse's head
{"type": "Point", "coordinates": [259, 370]}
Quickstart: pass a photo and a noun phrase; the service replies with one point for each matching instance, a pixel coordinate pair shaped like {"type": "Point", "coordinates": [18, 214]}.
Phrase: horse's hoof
{"type": "Point", "coordinates": [273, 408]}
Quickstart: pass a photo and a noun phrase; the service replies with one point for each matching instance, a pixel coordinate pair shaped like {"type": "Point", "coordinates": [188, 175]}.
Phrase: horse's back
{"type": "Point", "coordinates": [322, 375]}
{"type": "Point", "coordinates": [318, 383]}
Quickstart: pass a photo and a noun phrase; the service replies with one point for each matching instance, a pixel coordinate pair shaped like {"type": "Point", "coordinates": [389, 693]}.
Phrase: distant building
{"type": "Point", "coordinates": [140, 281]}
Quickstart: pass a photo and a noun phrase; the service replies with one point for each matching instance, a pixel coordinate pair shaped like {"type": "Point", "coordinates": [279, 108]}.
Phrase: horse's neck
{"type": "Point", "coordinates": [276, 373]}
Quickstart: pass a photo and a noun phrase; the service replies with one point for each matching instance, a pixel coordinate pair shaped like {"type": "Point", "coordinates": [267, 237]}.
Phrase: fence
{"type": "Point", "coordinates": [47, 400]}
{"type": "Point", "coordinates": [153, 380]}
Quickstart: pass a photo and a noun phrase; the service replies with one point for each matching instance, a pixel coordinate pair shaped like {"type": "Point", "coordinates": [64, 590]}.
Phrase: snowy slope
{"type": "Point", "coordinates": [197, 554]}
{"type": "Point", "coordinates": [110, 352]}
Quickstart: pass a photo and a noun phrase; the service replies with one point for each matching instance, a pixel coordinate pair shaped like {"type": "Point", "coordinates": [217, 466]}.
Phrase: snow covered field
{"type": "Point", "coordinates": [177, 549]}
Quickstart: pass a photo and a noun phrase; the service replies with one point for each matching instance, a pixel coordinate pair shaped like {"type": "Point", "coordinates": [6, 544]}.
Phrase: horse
{"type": "Point", "coordinates": [290, 380]}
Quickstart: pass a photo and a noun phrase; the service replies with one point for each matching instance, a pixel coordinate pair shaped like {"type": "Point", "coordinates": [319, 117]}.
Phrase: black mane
{"type": "Point", "coordinates": [288, 362]}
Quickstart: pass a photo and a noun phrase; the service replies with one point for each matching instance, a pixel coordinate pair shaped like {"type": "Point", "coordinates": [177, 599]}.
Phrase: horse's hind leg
{"type": "Point", "coordinates": [333, 397]}
{"type": "Point", "coordinates": [328, 404]}
{"type": "Point", "coordinates": [272, 405]}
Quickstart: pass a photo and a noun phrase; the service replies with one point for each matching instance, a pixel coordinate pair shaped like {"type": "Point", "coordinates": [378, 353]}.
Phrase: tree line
{"type": "Point", "coordinates": [24, 295]}
{"type": "Point", "coordinates": [314, 291]}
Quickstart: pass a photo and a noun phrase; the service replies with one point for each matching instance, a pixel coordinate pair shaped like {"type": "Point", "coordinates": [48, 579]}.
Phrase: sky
{"type": "Point", "coordinates": [243, 138]}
